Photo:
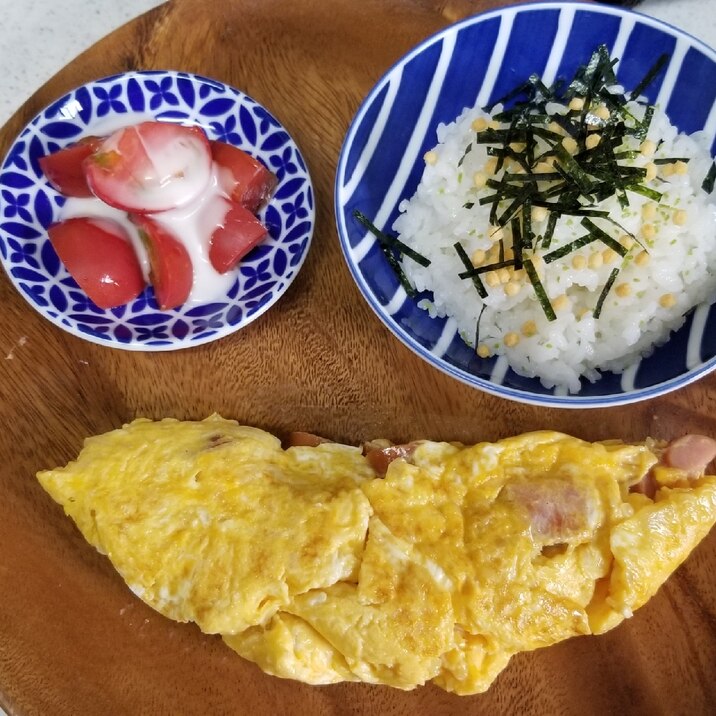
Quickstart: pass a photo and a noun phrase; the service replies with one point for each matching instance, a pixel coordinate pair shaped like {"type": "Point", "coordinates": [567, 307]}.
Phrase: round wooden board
{"type": "Point", "coordinates": [73, 639]}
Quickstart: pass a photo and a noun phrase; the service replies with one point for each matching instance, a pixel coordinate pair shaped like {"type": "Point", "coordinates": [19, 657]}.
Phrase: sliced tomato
{"type": "Point", "coordinates": [244, 178]}
{"type": "Point", "coordinates": [100, 257]}
{"type": "Point", "coordinates": [150, 167]}
{"type": "Point", "coordinates": [237, 233]}
{"type": "Point", "coordinates": [64, 169]}
{"type": "Point", "coordinates": [171, 272]}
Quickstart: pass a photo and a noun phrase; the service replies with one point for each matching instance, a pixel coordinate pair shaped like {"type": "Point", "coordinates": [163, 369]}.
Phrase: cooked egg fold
{"type": "Point", "coordinates": [214, 523]}
{"type": "Point", "coordinates": [315, 567]}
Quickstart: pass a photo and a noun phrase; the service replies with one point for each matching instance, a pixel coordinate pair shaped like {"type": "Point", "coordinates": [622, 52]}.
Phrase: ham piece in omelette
{"type": "Point", "coordinates": [317, 567]}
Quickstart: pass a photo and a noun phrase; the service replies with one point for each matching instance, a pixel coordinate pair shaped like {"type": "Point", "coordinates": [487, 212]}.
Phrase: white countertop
{"type": "Point", "coordinates": [39, 37]}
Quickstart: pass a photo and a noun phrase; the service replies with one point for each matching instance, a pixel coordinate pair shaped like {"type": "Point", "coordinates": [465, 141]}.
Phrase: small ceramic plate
{"type": "Point", "coordinates": [28, 205]}
{"type": "Point", "coordinates": [482, 58]}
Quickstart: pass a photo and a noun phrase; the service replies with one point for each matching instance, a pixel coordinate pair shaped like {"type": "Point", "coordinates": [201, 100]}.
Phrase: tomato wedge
{"type": "Point", "coordinates": [100, 257]}
{"type": "Point", "coordinates": [64, 170]}
{"type": "Point", "coordinates": [238, 232]}
{"type": "Point", "coordinates": [245, 179]}
{"type": "Point", "coordinates": [150, 167]}
{"type": "Point", "coordinates": [171, 271]}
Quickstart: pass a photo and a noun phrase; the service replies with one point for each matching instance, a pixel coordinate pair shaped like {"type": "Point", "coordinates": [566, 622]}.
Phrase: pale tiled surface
{"type": "Point", "coordinates": [39, 37]}
{"type": "Point", "coordinates": [697, 17]}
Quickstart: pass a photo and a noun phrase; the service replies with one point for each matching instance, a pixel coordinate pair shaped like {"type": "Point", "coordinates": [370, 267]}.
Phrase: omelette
{"type": "Point", "coordinates": [400, 565]}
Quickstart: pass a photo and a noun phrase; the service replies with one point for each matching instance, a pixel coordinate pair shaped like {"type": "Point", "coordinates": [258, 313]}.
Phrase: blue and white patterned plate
{"type": "Point", "coordinates": [28, 205]}
{"type": "Point", "coordinates": [478, 60]}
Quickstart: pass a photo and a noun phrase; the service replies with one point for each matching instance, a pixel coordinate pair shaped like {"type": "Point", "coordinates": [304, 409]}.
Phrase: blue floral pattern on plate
{"type": "Point", "coordinates": [485, 56]}
{"type": "Point", "coordinates": [28, 205]}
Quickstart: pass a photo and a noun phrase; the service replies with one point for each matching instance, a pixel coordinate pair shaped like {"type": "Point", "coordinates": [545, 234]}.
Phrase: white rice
{"type": "Point", "coordinates": [681, 262]}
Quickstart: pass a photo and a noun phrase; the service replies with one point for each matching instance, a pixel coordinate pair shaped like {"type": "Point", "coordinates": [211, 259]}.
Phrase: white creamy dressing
{"type": "Point", "coordinates": [224, 177]}
{"type": "Point", "coordinates": [115, 122]}
{"type": "Point", "coordinates": [177, 171]}
{"type": "Point", "coordinates": [182, 170]}
{"type": "Point", "coordinates": [191, 224]}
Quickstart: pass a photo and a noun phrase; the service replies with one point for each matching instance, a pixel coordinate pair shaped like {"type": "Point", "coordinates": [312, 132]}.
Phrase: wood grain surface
{"type": "Point", "coordinates": [73, 639]}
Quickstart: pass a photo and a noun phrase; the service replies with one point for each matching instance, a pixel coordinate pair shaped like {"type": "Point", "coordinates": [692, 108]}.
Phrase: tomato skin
{"type": "Point", "coordinates": [237, 234]}
{"type": "Point", "coordinates": [64, 168]}
{"type": "Point", "coordinates": [150, 167]}
{"type": "Point", "coordinates": [245, 179]}
{"type": "Point", "coordinates": [100, 257]}
{"type": "Point", "coordinates": [171, 274]}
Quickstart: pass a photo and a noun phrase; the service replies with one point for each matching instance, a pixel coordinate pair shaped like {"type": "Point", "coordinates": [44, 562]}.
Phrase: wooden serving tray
{"type": "Point", "coordinates": [73, 639]}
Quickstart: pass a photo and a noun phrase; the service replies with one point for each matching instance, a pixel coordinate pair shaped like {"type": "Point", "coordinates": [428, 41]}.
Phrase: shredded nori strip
{"type": "Point", "coordinates": [573, 169]}
{"type": "Point", "coordinates": [501, 153]}
{"type": "Point", "coordinates": [568, 248]}
{"type": "Point", "coordinates": [512, 94]}
{"type": "Point", "coordinates": [517, 241]}
{"type": "Point", "coordinates": [645, 191]}
{"type": "Point", "coordinates": [526, 236]}
{"type": "Point", "coordinates": [477, 326]}
{"type": "Point", "coordinates": [402, 278]}
{"type": "Point", "coordinates": [388, 241]}
{"type": "Point", "coordinates": [710, 179]}
{"type": "Point", "coordinates": [468, 149]}
{"type": "Point", "coordinates": [524, 178]}
{"type": "Point", "coordinates": [511, 210]}
{"type": "Point", "coordinates": [477, 281]}
{"type": "Point", "coordinates": [626, 154]}
{"type": "Point", "coordinates": [671, 160]}
{"type": "Point", "coordinates": [477, 270]}
{"type": "Point", "coordinates": [605, 291]}
{"type": "Point", "coordinates": [564, 207]}
{"type": "Point", "coordinates": [642, 128]}
{"type": "Point", "coordinates": [549, 232]}
{"type": "Point", "coordinates": [649, 77]}
{"type": "Point", "coordinates": [624, 231]}
{"type": "Point", "coordinates": [604, 237]}
{"type": "Point", "coordinates": [539, 291]}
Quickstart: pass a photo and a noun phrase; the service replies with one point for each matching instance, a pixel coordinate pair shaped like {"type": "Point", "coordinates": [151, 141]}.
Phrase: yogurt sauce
{"type": "Point", "coordinates": [191, 223]}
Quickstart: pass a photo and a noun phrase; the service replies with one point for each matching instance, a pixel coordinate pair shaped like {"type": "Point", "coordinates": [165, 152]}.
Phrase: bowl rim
{"type": "Point", "coordinates": [565, 401]}
{"type": "Point", "coordinates": [173, 343]}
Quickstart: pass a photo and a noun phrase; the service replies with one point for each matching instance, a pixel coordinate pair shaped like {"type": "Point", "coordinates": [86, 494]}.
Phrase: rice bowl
{"type": "Point", "coordinates": [475, 62]}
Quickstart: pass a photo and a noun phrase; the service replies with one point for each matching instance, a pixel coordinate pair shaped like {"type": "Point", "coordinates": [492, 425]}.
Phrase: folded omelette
{"type": "Point", "coordinates": [316, 566]}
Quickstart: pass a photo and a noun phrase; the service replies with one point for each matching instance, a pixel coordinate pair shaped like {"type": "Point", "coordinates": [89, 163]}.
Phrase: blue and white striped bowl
{"type": "Point", "coordinates": [476, 61]}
